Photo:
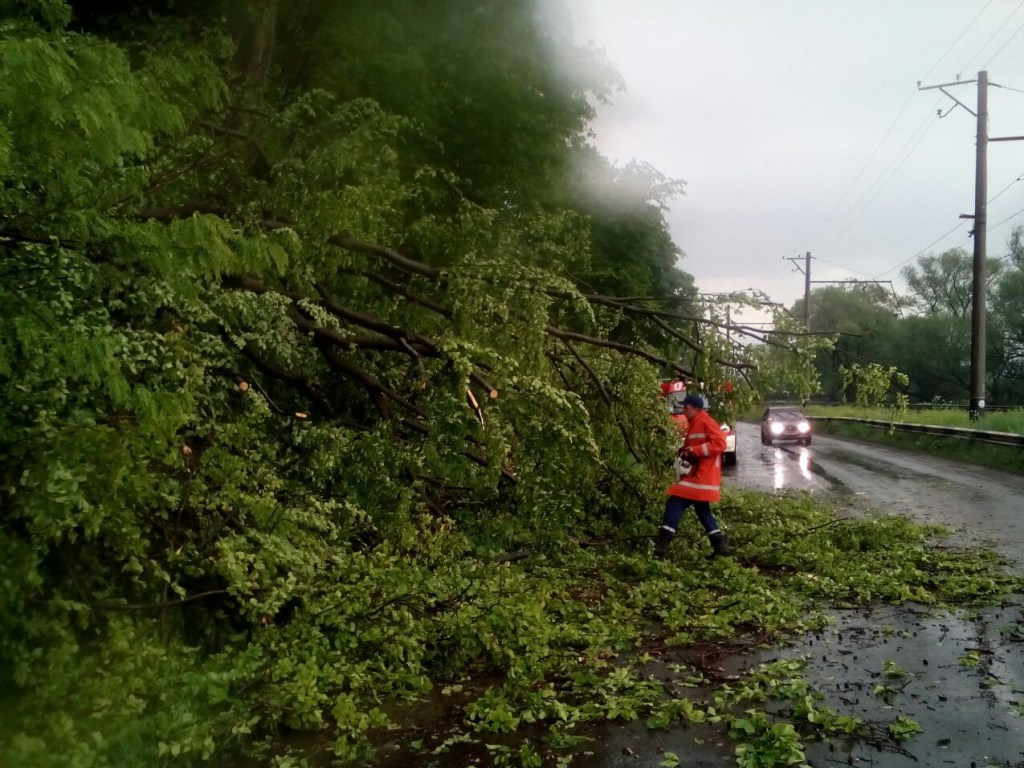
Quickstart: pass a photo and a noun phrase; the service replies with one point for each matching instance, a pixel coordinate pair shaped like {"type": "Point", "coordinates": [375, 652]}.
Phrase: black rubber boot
{"type": "Point", "coordinates": [720, 545]}
{"type": "Point", "coordinates": [662, 543]}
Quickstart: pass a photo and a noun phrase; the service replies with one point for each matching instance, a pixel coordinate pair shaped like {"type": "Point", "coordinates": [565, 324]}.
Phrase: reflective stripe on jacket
{"type": "Point", "coordinates": [704, 482]}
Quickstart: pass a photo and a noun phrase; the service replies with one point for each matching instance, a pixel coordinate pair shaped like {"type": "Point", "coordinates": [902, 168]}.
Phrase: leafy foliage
{"type": "Point", "coordinates": [234, 422]}
{"type": "Point", "coordinates": [295, 347]}
{"type": "Point", "coordinates": [943, 284]}
{"type": "Point", "coordinates": [786, 368]}
{"type": "Point", "coordinates": [872, 384]}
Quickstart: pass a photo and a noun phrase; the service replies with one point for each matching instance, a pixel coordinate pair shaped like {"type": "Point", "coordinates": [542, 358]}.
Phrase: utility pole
{"type": "Point", "coordinates": [980, 216]}
{"type": "Point", "coordinates": [806, 269]}
{"type": "Point", "coordinates": [977, 401]}
{"type": "Point", "coordinates": [977, 405]}
{"type": "Point", "coordinates": [807, 292]}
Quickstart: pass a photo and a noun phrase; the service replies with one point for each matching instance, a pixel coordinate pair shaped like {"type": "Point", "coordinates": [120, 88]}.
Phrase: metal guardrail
{"type": "Point", "coordinates": [961, 408]}
{"type": "Point", "coordinates": [974, 435]}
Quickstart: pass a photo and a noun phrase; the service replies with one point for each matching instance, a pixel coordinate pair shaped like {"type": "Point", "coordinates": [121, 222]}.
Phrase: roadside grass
{"type": "Point", "coordinates": [1007, 458]}
{"type": "Point", "coordinates": [993, 421]}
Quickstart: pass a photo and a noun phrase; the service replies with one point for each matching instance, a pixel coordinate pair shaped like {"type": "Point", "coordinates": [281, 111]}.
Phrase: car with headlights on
{"type": "Point", "coordinates": [784, 422]}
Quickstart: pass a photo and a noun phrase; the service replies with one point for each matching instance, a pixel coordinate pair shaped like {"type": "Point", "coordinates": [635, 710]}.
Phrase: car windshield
{"type": "Point", "coordinates": [675, 401]}
{"type": "Point", "coordinates": [785, 415]}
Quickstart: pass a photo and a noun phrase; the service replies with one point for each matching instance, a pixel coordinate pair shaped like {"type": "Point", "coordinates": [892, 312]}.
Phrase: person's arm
{"type": "Point", "coordinates": [714, 444]}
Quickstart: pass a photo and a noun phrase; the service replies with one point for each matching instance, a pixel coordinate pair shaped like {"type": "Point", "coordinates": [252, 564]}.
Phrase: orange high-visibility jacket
{"type": "Point", "coordinates": [704, 482]}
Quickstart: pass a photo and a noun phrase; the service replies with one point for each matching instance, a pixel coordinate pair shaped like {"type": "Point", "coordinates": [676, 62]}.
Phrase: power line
{"type": "Point", "coordinates": [923, 250]}
{"type": "Point", "coordinates": [994, 34]}
{"type": "Point", "coordinates": [1008, 41]}
{"type": "Point", "coordinates": [954, 229]}
{"type": "Point", "coordinates": [1012, 215]}
{"type": "Point", "coordinates": [1001, 191]}
{"type": "Point", "coordinates": [882, 181]}
{"type": "Point", "coordinates": [860, 173]}
{"type": "Point", "coordinates": [835, 206]}
{"type": "Point", "coordinates": [840, 266]}
{"type": "Point", "coordinates": [1006, 87]}
{"type": "Point", "coordinates": [961, 36]}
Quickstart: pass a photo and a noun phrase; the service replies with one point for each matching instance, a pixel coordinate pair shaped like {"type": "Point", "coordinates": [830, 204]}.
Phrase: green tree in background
{"type": "Point", "coordinates": [942, 285]}
{"type": "Point", "coordinates": [936, 345]}
{"type": "Point", "coordinates": [1006, 334]}
{"type": "Point", "coordinates": [927, 334]}
{"type": "Point", "coordinates": [862, 317]}
{"type": "Point", "coordinates": [935, 352]}
{"type": "Point", "coordinates": [782, 374]}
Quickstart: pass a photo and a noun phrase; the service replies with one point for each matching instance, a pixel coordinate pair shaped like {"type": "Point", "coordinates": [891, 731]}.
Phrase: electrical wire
{"type": "Point", "coordinates": [1006, 87]}
{"type": "Point", "coordinates": [835, 206]}
{"type": "Point", "coordinates": [882, 181]}
{"type": "Point", "coordinates": [868, 197]}
{"type": "Point", "coordinates": [924, 250]}
{"type": "Point", "coordinates": [864, 168]}
{"type": "Point", "coordinates": [961, 37]}
{"type": "Point", "coordinates": [1008, 41]}
{"type": "Point", "coordinates": [988, 228]}
{"type": "Point", "coordinates": [1012, 215]}
{"type": "Point", "coordinates": [994, 35]}
{"type": "Point", "coordinates": [840, 266]}
{"type": "Point", "coordinates": [997, 195]}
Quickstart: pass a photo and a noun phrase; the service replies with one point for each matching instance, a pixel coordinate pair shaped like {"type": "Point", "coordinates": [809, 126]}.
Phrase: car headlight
{"type": "Point", "coordinates": [803, 426]}
{"type": "Point", "coordinates": [776, 428]}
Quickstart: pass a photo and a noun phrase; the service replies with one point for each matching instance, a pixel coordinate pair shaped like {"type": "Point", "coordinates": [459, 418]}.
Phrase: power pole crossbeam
{"type": "Point", "coordinates": [940, 86]}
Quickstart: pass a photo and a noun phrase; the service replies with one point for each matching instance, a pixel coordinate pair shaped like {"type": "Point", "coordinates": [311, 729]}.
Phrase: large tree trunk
{"type": "Point", "coordinates": [256, 38]}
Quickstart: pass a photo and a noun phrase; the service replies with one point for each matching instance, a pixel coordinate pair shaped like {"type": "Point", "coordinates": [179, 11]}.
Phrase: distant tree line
{"type": "Point", "coordinates": [926, 332]}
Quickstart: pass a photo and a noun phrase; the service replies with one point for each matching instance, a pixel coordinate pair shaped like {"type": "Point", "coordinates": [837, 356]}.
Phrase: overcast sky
{"type": "Point", "coordinates": [798, 126]}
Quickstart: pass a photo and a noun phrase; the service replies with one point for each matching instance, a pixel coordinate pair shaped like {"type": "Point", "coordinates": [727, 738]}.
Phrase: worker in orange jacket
{"type": "Point", "coordinates": [701, 482]}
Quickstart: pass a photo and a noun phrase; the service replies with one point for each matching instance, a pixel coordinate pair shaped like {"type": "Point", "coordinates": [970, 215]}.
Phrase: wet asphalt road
{"type": "Point", "coordinates": [980, 506]}
{"type": "Point", "coordinates": [962, 674]}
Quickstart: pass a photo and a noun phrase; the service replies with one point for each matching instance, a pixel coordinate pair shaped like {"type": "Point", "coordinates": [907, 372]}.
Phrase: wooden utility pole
{"type": "Point", "coordinates": [977, 404]}
{"type": "Point", "coordinates": [980, 216]}
{"type": "Point", "coordinates": [807, 291]}
{"type": "Point", "coordinates": [806, 269]}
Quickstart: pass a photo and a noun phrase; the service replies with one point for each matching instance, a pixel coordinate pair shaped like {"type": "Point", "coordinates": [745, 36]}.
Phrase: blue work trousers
{"type": "Point", "coordinates": [675, 506]}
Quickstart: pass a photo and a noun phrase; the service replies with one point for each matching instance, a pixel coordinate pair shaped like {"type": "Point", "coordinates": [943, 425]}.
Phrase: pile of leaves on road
{"type": "Point", "coordinates": [522, 652]}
